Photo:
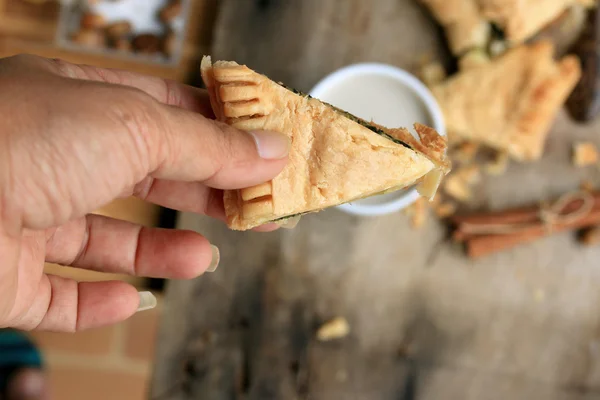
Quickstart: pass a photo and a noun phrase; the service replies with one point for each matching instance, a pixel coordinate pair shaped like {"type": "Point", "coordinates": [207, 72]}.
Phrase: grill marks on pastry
{"type": "Point", "coordinates": [250, 123]}
{"type": "Point", "coordinates": [257, 201]}
{"type": "Point", "coordinates": [242, 108]}
{"type": "Point", "coordinates": [257, 208]}
{"type": "Point", "coordinates": [240, 92]}
{"type": "Point", "coordinates": [241, 99]}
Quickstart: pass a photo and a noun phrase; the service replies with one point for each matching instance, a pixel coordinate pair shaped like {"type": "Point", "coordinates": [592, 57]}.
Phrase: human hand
{"type": "Point", "coordinates": [73, 138]}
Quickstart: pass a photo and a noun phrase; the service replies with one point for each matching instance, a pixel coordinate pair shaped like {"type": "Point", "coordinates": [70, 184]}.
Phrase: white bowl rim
{"type": "Point", "coordinates": [420, 90]}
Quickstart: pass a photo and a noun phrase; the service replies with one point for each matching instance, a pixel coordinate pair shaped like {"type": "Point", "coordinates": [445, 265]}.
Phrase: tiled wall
{"type": "Point", "coordinates": [111, 363]}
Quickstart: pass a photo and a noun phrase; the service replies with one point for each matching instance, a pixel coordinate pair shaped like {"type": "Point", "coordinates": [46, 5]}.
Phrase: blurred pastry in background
{"type": "Point", "coordinates": [584, 154]}
{"type": "Point", "coordinates": [508, 103]}
{"type": "Point", "coordinates": [495, 25]}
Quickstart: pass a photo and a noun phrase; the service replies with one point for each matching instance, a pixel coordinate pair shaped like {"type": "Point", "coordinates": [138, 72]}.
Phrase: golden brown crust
{"type": "Point", "coordinates": [509, 103]}
{"type": "Point", "coordinates": [333, 159]}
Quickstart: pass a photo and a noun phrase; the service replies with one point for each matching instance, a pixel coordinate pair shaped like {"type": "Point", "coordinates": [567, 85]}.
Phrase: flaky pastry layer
{"type": "Point", "coordinates": [334, 157]}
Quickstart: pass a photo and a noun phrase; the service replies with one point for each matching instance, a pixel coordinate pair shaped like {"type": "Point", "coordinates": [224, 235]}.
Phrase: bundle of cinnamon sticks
{"type": "Point", "coordinates": [487, 233]}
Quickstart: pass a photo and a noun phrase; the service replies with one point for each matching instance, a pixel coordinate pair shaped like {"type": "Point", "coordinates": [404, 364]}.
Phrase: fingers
{"type": "Point", "coordinates": [188, 197]}
{"type": "Point", "coordinates": [198, 149]}
{"type": "Point", "coordinates": [269, 146]}
{"type": "Point", "coordinates": [193, 197]}
{"type": "Point", "coordinates": [109, 245]}
{"type": "Point", "coordinates": [10, 248]}
{"type": "Point", "coordinates": [63, 305]}
{"type": "Point", "coordinates": [96, 140]}
{"type": "Point", "coordinates": [165, 91]}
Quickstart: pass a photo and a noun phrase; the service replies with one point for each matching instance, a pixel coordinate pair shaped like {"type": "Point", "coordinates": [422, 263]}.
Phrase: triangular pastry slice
{"type": "Point", "coordinates": [335, 158]}
{"type": "Point", "coordinates": [510, 102]}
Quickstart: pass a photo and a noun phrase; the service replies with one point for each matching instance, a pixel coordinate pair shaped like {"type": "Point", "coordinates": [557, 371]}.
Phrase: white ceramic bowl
{"type": "Point", "coordinates": [373, 91]}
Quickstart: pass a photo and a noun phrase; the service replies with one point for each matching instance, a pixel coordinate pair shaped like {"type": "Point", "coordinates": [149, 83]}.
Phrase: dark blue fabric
{"type": "Point", "coordinates": [16, 351]}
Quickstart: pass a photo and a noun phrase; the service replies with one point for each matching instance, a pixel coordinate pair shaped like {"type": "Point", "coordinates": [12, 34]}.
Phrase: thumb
{"type": "Point", "coordinates": [223, 157]}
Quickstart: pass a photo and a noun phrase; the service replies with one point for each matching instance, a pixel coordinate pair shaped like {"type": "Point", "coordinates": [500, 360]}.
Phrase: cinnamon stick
{"type": "Point", "coordinates": [480, 246]}
{"type": "Point", "coordinates": [516, 216]}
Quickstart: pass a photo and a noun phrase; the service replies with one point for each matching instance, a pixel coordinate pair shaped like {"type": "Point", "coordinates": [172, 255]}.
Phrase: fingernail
{"type": "Point", "coordinates": [216, 257]}
{"type": "Point", "coordinates": [147, 301]}
{"type": "Point", "coordinates": [271, 145]}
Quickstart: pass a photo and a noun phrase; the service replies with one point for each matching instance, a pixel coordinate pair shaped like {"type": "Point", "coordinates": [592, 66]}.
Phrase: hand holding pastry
{"type": "Point", "coordinates": [73, 138]}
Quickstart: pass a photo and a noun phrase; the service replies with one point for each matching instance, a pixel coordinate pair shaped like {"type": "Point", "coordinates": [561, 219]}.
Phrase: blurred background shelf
{"type": "Point", "coordinates": [31, 28]}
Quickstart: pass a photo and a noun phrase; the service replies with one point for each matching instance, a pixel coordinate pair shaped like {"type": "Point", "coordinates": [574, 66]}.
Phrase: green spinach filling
{"type": "Point", "coordinates": [286, 217]}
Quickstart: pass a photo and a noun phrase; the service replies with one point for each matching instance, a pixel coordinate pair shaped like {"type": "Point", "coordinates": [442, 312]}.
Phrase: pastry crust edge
{"type": "Point", "coordinates": [431, 145]}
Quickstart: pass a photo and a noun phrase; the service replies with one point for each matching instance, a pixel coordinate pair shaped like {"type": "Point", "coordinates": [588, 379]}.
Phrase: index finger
{"type": "Point", "coordinates": [166, 91]}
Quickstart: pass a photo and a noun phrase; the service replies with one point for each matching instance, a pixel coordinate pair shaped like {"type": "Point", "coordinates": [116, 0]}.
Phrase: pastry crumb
{"type": "Point", "coordinates": [444, 210]}
{"type": "Point", "coordinates": [498, 165]}
{"type": "Point", "coordinates": [465, 152]}
{"type": "Point", "coordinates": [433, 73]}
{"type": "Point", "coordinates": [471, 174]}
{"type": "Point", "coordinates": [458, 185]}
{"type": "Point", "coordinates": [337, 328]}
{"type": "Point", "coordinates": [585, 153]}
{"type": "Point", "coordinates": [457, 188]}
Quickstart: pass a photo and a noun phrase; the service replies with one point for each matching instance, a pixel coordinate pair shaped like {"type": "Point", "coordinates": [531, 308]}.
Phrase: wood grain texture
{"type": "Point", "coordinates": [426, 323]}
{"type": "Point", "coordinates": [299, 42]}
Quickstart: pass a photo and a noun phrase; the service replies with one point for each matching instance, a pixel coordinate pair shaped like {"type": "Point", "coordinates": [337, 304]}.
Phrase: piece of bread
{"type": "Point", "coordinates": [509, 102]}
{"type": "Point", "coordinates": [468, 23]}
{"type": "Point", "coordinates": [334, 158]}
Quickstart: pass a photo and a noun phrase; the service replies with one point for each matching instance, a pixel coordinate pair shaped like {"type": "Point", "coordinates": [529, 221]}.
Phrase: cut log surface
{"type": "Point", "coordinates": [425, 322]}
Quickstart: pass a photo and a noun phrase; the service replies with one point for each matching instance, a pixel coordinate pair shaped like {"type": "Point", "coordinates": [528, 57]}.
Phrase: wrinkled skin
{"type": "Point", "coordinates": [72, 139]}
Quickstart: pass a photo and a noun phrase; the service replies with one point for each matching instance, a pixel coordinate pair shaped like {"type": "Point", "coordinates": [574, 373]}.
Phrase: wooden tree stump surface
{"type": "Point", "coordinates": [426, 323]}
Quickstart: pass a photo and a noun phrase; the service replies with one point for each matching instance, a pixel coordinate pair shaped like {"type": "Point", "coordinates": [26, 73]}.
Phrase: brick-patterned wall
{"type": "Point", "coordinates": [108, 363]}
